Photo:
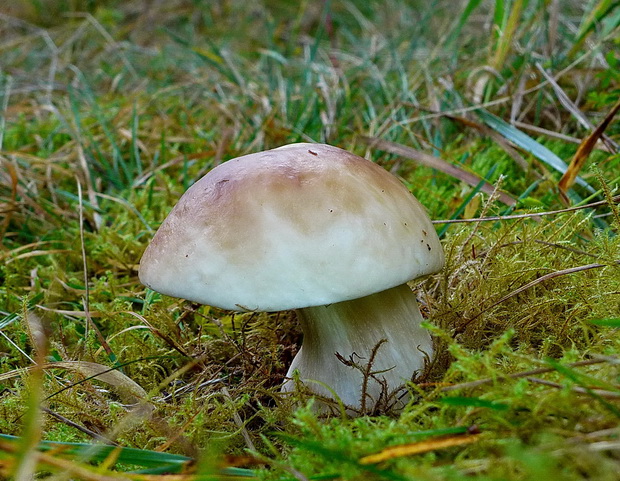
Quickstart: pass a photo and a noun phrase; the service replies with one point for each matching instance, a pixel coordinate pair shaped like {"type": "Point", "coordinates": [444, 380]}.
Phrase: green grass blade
{"type": "Point", "coordinates": [499, 17]}
{"type": "Point", "coordinates": [474, 402]}
{"type": "Point", "coordinates": [157, 461]}
{"type": "Point", "coordinates": [507, 32]}
{"type": "Point", "coordinates": [606, 322]}
{"type": "Point", "coordinates": [469, 9]}
{"type": "Point", "coordinates": [342, 457]}
{"type": "Point", "coordinates": [527, 143]}
{"type": "Point", "coordinates": [595, 17]}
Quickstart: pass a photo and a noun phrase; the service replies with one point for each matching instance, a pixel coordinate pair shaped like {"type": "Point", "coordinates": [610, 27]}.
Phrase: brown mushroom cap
{"type": "Point", "coordinates": [297, 226]}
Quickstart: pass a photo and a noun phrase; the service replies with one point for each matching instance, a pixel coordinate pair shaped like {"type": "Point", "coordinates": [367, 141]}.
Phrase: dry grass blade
{"type": "Point", "coordinates": [35, 253]}
{"type": "Point", "coordinates": [546, 277]}
{"type": "Point", "coordinates": [68, 422]}
{"type": "Point", "coordinates": [239, 422]}
{"type": "Point", "coordinates": [438, 164]}
{"type": "Point", "coordinates": [120, 381]}
{"type": "Point", "coordinates": [92, 197]}
{"type": "Point", "coordinates": [557, 135]}
{"type": "Point", "coordinates": [568, 179]}
{"type": "Point", "coordinates": [419, 447]}
{"type": "Point", "coordinates": [554, 16]}
{"type": "Point", "coordinates": [565, 100]}
{"type": "Point", "coordinates": [106, 374]}
{"type": "Point", "coordinates": [86, 300]}
{"type": "Point", "coordinates": [32, 428]}
{"type": "Point", "coordinates": [10, 204]}
{"type": "Point", "coordinates": [600, 392]}
{"type": "Point", "coordinates": [517, 375]}
{"type": "Point", "coordinates": [527, 216]}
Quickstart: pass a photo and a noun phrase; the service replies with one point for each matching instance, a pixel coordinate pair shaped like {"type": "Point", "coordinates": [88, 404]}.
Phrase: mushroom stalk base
{"type": "Point", "coordinates": [353, 329]}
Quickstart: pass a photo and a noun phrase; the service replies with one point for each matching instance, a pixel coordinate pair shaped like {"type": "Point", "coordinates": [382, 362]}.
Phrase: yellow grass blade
{"type": "Point", "coordinates": [419, 448]}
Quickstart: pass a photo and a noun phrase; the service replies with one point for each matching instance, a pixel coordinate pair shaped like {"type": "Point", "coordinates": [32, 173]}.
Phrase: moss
{"type": "Point", "coordinates": [136, 115]}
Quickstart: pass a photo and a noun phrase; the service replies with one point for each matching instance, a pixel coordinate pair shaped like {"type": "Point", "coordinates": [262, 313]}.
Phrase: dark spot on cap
{"type": "Point", "coordinates": [424, 232]}
{"type": "Point", "coordinates": [428, 247]}
{"type": "Point", "coordinates": [311, 152]}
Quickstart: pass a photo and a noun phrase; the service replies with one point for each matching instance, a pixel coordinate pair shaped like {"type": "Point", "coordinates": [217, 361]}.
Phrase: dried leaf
{"type": "Point", "coordinates": [419, 448]}
{"type": "Point", "coordinates": [103, 373]}
{"type": "Point", "coordinates": [584, 150]}
{"type": "Point", "coordinates": [471, 208]}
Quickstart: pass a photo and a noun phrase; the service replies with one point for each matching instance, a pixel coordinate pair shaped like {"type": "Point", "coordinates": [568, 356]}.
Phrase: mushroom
{"type": "Point", "coordinates": [318, 229]}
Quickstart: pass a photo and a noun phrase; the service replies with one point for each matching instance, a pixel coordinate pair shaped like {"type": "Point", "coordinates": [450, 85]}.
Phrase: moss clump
{"type": "Point", "coordinates": [135, 104]}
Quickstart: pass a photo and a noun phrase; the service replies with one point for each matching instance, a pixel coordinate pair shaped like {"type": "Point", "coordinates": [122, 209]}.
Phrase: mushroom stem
{"type": "Point", "coordinates": [353, 329]}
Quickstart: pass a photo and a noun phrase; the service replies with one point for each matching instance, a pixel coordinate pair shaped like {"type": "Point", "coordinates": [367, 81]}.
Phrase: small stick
{"type": "Point", "coordinates": [83, 429]}
{"type": "Point", "coordinates": [600, 392]}
{"type": "Point", "coordinates": [541, 370]}
{"type": "Point", "coordinates": [525, 216]}
{"type": "Point", "coordinates": [239, 423]}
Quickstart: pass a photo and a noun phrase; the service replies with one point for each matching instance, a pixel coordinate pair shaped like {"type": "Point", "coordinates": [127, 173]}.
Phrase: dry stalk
{"type": "Point", "coordinates": [599, 392]}
{"type": "Point", "coordinates": [517, 375]}
{"type": "Point", "coordinates": [615, 199]}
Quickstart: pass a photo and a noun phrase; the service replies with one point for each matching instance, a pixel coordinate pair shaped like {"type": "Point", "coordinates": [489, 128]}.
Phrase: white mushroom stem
{"type": "Point", "coordinates": [352, 329]}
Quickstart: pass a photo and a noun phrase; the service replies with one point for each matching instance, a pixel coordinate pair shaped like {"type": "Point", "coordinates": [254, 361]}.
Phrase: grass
{"type": "Point", "coordinates": [110, 110]}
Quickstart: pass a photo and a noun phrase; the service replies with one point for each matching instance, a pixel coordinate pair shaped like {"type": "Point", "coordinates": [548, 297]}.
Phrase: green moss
{"type": "Point", "coordinates": [138, 114]}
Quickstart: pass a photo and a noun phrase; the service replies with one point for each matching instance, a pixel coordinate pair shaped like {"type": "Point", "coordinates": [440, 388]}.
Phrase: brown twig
{"type": "Point", "coordinates": [567, 248]}
{"type": "Point", "coordinates": [68, 422]}
{"type": "Point", "coordinates": [599, 392]}
{"type": "Point", "coordinates": [367, 372]}
{"type": "Point", "coordinates": [538, 280]}
{"type": "Point", "coordinates": [517, 375]}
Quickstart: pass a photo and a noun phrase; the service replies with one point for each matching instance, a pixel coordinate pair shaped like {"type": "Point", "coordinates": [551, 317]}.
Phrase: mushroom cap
{"type": "Point", "coordinates": [297, 226]}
